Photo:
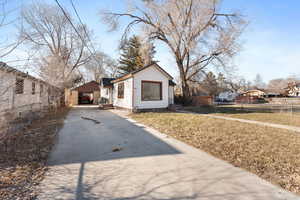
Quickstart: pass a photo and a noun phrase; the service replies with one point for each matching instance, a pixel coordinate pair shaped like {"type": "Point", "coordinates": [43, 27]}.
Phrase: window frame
{"type": "Point", "coordinates": [19, 90]}
{"type": "Point", "coordinates": [33, 88]}
{"type": "Point", "coordinates": [121, 96]}
{"type": "Point", "coordinates": [160, 93]}
{"type": "Point", "coordinates": [41, 88]}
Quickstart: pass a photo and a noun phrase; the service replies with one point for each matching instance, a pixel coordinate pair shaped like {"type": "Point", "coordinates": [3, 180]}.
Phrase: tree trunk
{"type": "Point", "coordinates": [184, 84]}
{"type": "Point", "coordinates": [185, 92]}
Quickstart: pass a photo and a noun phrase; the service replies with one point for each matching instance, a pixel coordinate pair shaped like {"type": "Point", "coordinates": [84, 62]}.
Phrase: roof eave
{"type": "Point", "coordinates": [122, 78]}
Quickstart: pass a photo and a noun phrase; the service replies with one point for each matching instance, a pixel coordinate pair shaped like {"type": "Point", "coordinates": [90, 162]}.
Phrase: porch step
{"type": "Point", "coordinates": [106, 106]}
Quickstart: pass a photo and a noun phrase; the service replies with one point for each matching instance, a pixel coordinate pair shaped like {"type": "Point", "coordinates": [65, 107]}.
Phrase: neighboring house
{"type": "Point", "coordinates": [228, 96]}
{"type": "Point", "coordinates": [254, 93]}
{"type": "Point", "coordinates": [88, 93]}
{"type": "Point", "coordinates": [271, 94]}
{"type": "Point", "coordinates": [23, 97]}
{"type": "Point", "coordinates": [106, 90]}
{"type": "Point", "coordinates": [149, 87]}
{"type": "Point", "coordinates": [293, 89]}
{"type": "Point", "coordinates": [21, 91]}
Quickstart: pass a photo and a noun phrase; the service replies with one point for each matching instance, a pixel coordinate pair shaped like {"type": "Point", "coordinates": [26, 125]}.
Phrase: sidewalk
{"type": "Point", "coordinates": [291, 128]}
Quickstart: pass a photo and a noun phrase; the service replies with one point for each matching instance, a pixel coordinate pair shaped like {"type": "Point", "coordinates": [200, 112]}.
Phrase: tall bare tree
{"type": "Point", "coordinates": [258, 82]}
{"type": "Point", "coordinates": [56, 35]}
{"type": "Point", "coordinates": [196, 32]}
{"type": "Point", "coordinates": [53, 70]}
{"type": "Point", "coordinates": [7, 45]}
{"type": "Point", "coordinates": [101, 65]}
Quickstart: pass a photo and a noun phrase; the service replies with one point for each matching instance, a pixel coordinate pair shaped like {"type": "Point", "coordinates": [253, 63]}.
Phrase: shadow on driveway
{"type": "Point", "coordinates": [147, 167]}
{"type": "Point", "coordinates": [82, 140]}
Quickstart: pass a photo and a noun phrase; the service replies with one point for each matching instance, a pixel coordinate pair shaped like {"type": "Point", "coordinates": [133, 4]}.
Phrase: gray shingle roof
{"type": "Point", "coordinates": [107, 81]}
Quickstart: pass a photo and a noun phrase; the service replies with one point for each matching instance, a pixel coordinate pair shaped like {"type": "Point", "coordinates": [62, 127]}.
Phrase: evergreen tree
{"type": "Point", "coordinates": [131, 58]}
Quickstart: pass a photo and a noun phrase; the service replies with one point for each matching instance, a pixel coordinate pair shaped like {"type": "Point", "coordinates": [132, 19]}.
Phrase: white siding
{"type": "Point", "coordinates": [104, 93]}
{"type": "Point", "coordinates": [227, 95]}
{"type": "Point", "coordinates": [10, 100]}
{"type": "Point", "coordinates": [7, 82]}
{"type": "Point", "coordinates": [126, 102]}
{"type": "Point", "coordinates": [150, 74]}
{"type": "Point", "coordinates": [27, 98]}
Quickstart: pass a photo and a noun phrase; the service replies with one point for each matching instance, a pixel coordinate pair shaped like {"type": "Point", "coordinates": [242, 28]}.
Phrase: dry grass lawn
{"type": "Point", "coordinates": [23, 157]}
{"type": "Point", "coordinates": [271, 153]}
{"type": "Point", "coordinates": [250, 112]}
{"type": "Point", "coordinates": [291, 119]}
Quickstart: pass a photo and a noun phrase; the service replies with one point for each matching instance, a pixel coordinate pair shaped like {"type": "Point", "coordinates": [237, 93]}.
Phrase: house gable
{"type": "Point", "coordinates": [157, 68]}
{"type": "Point", "coordinates": [151, 74]}
{"type": "Point", "coordinates": [131, 74]}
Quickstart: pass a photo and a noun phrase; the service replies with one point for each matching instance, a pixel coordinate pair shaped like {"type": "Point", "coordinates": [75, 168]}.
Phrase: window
{"type": "Point", "coordinates": [33, 88]}
{"type": "Point", "coordinates": [151, 91]}
{"type": "Point", "coordinates": [107, 91]}
{"type": "Point", "coordinates": [19, 86]}
{"type": "Point", "coordinates": [41, 88]}
{"type": "Point", "coordinates": [121, 90]}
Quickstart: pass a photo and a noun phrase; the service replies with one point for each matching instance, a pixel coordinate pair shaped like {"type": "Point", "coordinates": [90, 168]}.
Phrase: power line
{"type": "Point", "coordinates": [77, 14]}
{"type": "Point", "coordinates": [80, 36]}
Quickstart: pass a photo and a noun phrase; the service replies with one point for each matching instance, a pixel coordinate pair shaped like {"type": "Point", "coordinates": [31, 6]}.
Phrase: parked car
{"type": "Point", "coordinates": [85, 100]}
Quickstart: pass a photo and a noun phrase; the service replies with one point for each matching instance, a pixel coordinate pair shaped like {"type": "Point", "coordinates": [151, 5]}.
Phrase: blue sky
{"type": "Point", "coordinates": [270, 42]}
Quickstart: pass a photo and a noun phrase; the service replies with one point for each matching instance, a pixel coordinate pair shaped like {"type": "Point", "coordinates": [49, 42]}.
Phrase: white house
{"type": "Point", "coordinates": [23, 96]}
{"type": "Point", "coordinates": [293, 89]}
{"type": "Point", "coordinates": [149, 87]}
{"type": "Point", "coordinates": [227, 95]}
{"type": "Point", "coordinates": [21, 91]}
{"type": "Point", "coordinates": [254, 93]}
{"type": "Point", "coordinates": [106, 90]}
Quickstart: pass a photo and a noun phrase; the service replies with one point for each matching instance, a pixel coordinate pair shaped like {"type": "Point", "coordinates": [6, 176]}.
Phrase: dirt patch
{"type": "Point", "coordinates": [23, 156]}
{"type": "Point", "coordinates": [271, 153]}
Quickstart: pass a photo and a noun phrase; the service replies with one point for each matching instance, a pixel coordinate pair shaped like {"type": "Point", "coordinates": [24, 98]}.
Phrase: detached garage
{"type": "Point", "coordinates": [88, 93]}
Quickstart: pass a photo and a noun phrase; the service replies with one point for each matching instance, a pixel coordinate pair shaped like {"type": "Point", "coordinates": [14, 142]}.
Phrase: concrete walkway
{"type": "Point", "coordinates": [149, 165]}
{"type": "Point", "coordinates": [291, 128]}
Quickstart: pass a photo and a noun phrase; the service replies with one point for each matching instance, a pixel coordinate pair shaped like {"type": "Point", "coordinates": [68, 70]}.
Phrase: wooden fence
{"type": "Point", "coordinates": [202, 100]}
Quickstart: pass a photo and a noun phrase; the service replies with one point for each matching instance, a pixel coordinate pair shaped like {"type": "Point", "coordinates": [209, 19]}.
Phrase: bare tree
{"type": "Point", "coordinates": [282, 85]}
{"type": "Point", "coordinates": [6, 46]}
{"type": "Point", "coordinates": [195, 31]}
{"type": "Point", "coordinates": [238, 84]}
{"type": "Point", "coordinates": [277, 85]}
{"type": "Point", "coordinates": [101, 65]}
{"type": "Point", "coordinates": [210, 84]}
{"type": "Point", "coordinates": [57, 37]}
{"type": "Point", "coordinates": [53, 70]}
{"type": "Point", "coordinates": [112, 68]}
{"type": "Point", "coordinates": [147, 50]}
{"type": "Point", "coordinates": [258, 82]}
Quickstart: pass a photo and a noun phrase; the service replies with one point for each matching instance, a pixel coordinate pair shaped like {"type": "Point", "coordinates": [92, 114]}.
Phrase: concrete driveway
{"type": "Point", "coordinates": [149, 165]}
